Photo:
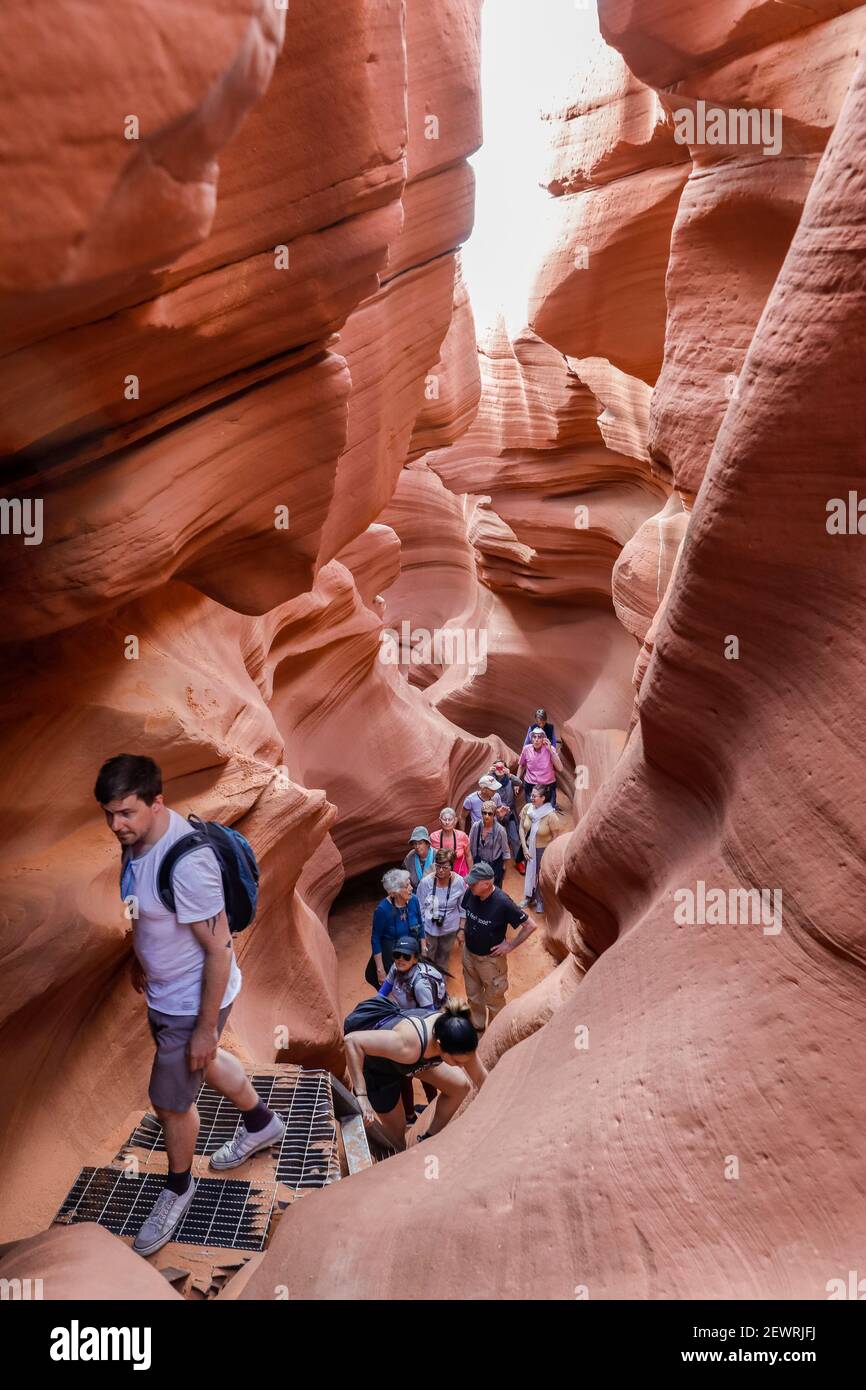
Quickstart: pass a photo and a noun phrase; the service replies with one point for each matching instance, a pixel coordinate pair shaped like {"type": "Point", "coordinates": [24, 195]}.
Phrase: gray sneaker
{"type": "Point", "coordinates": [244, 1144]}
{"type": "Point", "coordinates": [165, 1216]}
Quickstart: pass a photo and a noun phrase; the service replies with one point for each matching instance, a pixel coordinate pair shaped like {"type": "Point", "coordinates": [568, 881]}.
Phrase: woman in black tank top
{"type": "Point", "coordinates": [438, 1046]}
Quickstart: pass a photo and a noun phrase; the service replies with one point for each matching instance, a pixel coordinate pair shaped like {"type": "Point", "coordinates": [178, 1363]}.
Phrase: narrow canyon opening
{"type": "Point", "coordinates": [316, 496]}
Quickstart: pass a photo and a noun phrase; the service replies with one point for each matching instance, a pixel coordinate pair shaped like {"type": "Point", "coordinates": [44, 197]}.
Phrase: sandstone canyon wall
{"type": "Point", "coordinates": [607, 496]}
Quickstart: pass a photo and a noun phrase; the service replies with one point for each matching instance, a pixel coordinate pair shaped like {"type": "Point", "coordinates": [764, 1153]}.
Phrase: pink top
{"type": "Point", "coordinates": [462, 842]}
{"type": "Point", "coordinates": [538, 764]}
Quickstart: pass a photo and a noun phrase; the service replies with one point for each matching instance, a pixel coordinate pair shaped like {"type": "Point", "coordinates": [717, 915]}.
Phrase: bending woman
{"type": "Point", "coordinates": [438, 1047]}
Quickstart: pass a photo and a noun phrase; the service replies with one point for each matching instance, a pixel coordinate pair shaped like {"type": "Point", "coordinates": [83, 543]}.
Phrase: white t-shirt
{"type": "Point", "coordinates": [170, 956]}
{"type": "Point", "coordinates": [433, 900]}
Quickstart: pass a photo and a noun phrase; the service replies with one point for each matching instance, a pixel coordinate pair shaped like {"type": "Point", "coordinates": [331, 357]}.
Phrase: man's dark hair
{"type": "Point", "coordinates": [128, 775]}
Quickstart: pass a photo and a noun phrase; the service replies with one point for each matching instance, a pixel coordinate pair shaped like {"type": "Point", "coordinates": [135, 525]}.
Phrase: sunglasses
{"type": "Point", "coordinates": [403, 955]}
{"type": "Point", "coordinates": [488, 815]}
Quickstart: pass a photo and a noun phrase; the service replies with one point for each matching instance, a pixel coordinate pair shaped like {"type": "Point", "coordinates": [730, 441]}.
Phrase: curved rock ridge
{"type": "Point", "coordinates": [601, 289]}
{"type": "Point", "coordinates": [452, 389]}
{"type": "Point", "coordinates": [644, 567]}
{"type": "Point", "coordinates": [662, 42]}
{"type": "Point", "coordinates": [562, 504]}
{"type": "Point", "coordinates": [617, 173]}
{"type": "Point", "coordinates": [85, 1262]}
{"type": "Point", "coordinates": [101, 190]}
{"type": "Point", "coordinates": [737, 215]}
{"type": "Point", "coordinates": [610, 126]}
{"type": "Point", "coordinates": [108, 535]}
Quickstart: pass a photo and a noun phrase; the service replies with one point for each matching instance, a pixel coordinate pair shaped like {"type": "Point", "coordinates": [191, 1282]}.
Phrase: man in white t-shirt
{"type": "Point", "coordinates": [185, 965]}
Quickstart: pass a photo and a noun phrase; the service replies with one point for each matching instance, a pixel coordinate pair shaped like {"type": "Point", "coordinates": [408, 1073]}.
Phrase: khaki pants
{"type": "Point", "coordinates": [486, 980]}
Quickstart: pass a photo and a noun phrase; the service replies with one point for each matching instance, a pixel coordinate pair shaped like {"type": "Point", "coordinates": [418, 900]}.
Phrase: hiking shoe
{"type": "Point", "coordinates": [244, 1144]}
{"type": "Point", "coordinates": [166, 1214]}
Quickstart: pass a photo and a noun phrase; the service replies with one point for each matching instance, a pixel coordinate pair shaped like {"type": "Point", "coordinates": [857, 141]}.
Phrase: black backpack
{"type": "Point", "coordinates": [370, 1013]}
{"type": "Point", "coordinates": [238, 867]}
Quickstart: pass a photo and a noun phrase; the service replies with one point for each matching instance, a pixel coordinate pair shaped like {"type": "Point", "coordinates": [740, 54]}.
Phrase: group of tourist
{"type": "Point", "coordinates": [187, 886]}
{"type": "Point", "coordinates": [449, 889]}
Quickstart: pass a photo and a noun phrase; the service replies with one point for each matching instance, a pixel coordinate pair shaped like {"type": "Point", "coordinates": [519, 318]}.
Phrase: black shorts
{"type": "Point", "coordinates": [384, 1084]}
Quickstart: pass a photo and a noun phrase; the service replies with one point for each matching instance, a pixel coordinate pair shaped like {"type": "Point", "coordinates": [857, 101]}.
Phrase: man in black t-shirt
{"type": "Point", "coordinates": [489, 912]}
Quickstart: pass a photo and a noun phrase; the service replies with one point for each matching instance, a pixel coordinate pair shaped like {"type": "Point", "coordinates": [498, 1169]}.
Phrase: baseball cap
{"type": "Point", "coordinates": [489, 782]}
{"type": "Point", "coordinates": [407, 943]}
{"type": "Point", "coordinates": [479, 872]}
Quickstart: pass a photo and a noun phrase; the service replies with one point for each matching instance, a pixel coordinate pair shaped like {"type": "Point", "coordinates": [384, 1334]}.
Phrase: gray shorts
{"type": "Point", "coordinates": [172, 1085]}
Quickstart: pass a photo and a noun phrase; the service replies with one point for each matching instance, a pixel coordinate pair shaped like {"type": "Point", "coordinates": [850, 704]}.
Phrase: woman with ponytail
{"type": "Point", "coordinates": [438, 1046]}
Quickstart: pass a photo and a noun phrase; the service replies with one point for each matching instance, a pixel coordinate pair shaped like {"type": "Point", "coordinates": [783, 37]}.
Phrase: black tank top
{"type": "Point", "coordinates": [415, 1017]}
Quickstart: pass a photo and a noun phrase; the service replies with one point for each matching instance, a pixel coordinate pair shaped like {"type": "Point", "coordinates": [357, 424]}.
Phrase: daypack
{"type": "Point", "coordinates": [436, 980]}
{"type": "Point", "coordinates": [370, 1013]}
{"type": "Point", "coordinates": [238, 866]}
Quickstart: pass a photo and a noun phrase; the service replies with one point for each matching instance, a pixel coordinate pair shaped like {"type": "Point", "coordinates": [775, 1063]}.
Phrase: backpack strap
{"type": "Point", "coordinates": [196, 839]}
{"type": "Point", "coordinates": [422, 1034]}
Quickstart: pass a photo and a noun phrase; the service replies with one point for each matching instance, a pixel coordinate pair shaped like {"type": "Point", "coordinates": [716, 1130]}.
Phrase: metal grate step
{"type": "Point", "coordinates": [224, 1212]}
{"type": "Point", "coordinates": [308, 1155]}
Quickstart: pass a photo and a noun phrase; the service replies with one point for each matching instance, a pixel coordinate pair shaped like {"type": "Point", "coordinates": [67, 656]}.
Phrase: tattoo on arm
{"type": "Point", "coordinates": [211, 922]}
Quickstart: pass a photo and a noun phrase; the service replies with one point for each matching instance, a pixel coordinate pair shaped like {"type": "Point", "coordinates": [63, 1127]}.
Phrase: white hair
{"type": "Point", "coordinates": [447, 811]}
{"type": "Point", "coordinates": [395, 879]}
{"type": "Point", "coordinates": [536, 730]}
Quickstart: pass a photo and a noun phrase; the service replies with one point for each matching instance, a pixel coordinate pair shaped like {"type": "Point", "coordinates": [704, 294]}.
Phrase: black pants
{"type": "Point", "coordinates": [498, 867]}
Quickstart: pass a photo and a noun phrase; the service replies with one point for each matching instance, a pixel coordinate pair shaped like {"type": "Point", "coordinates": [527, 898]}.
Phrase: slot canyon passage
{"type": "Point", "coordinates": [254, 308]}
